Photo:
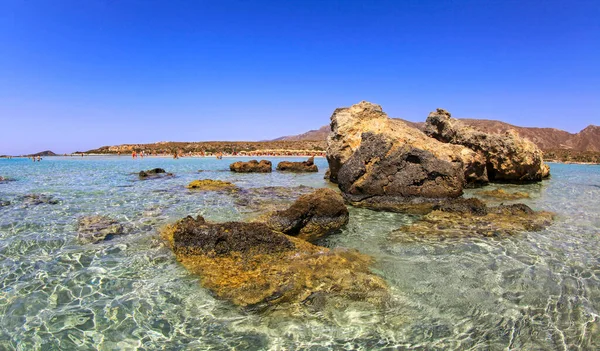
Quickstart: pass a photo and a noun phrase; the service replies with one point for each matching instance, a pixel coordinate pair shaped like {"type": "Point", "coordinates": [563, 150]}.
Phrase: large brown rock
{"type": "Point", "coordinates": [383, 163]}
{"type": "Point", "coordinates": [305, 166]}
{"type": "Point", "coordinates": [251, 264]}
{"type": "Point", "coordinates": [311, 216]}
{"type": "Point", "coordinates": [252, 166]}
{"type": "Point", "coordinates": [508, 157]}
{"type": "Point", "coordinates": [349, 123]}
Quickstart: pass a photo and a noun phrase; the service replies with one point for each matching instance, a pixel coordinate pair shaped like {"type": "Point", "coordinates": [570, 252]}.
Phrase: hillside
{"type": "Point", "coordinates": [44, 153]}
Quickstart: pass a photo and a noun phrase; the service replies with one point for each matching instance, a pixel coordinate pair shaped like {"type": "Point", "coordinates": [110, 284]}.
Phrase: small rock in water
{"type": "Point", "coordinates": [154, 173]}
{"type": "Point", "coordinates": [4, 203]}
{"type": "Point", "coordinates": [93, 229]}
{"type": "Point", "coordinates": [305, 166]}
{"type": "Point", "coordinates": [311, 216]}
{"type": "Point", "coordinates": [252, 166]}
{"type": "Point", "coordinates": [38, 199]}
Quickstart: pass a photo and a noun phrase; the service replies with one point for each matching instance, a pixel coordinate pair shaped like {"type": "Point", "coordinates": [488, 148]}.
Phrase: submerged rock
{"type": "Point", "coordinates": [4, 203]}
{"type": "Point", "coordinates": [504, 195]}
{"type": "Point", "coordinates": [305, 166]}
{"type": "Point", "coordinates": [4, 180]}
{"type": "Point", "coordinates": [311, 216]}
{"type": "Point", "coordinates": [508, 157]}
{"type": "Point", "coordinates": [154, 173]}
{"type": "Point", "coordinates": [211, 184]}
{"type": "Point", "coordinates": [39, 199]}
{"type": "Point", "coordinates": [269, 198]}
{"type": "Point", "coordinates": [252, 166]}
{"type": "Point", "coordinates": [93, 229]}
{"type": "Point", "coordinates": [465, 217]}
{"type": "Point", "coordinates": [250, 264]}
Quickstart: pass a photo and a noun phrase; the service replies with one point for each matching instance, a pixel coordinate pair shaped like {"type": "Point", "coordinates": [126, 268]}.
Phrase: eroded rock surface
{"type": "Point", "coordinates": [252, 166]}
{"type": "Point", "coordinates": [311, 216]}
{"type": "Point", "coordinates": [211, 185]}
{"type": "Point", "coordinates": [93, 229]}
{"type": "Point", "coordinates": [250, 264]}
{"type": "Point", "coordinates": [305, 166]}
{"type": "Point", "coordinates": [349, 124]}
{"type": "Point", "coordinates": [508, 157]}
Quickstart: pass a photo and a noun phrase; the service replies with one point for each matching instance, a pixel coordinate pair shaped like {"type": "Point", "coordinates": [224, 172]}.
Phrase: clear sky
{"type": "Point", "coordinates": [76, 75]}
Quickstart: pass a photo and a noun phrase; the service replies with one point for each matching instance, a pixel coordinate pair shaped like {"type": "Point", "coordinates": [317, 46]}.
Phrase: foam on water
{"type": "Point", "coordinates": [530, 291]}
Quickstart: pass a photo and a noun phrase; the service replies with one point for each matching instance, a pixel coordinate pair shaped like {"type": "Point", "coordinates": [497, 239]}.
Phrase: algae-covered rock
{"type": "Point", "coordinates": [154, 174]}
{"type": "Point", "coordinates": [252, 166]}
{"type": "Point", "coordinates": [504, 195]}
{"type": "Point", "coordinates": [468, 217]}
{"type": "Point", "coordinates": [93, 229]}
{"type": "Point", "coordinates": [250, 264]}
{"type": "Point", "coordinates": [298, 167]}
{"type": "Point", "coordinates": [211, 185]}
{"type": "Point", "coordinates": [311, 216]}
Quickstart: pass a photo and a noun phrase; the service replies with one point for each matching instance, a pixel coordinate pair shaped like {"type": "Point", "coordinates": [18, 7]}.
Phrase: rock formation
{"type": "Point", "coordinates": [465, 217]}
{"type": "Point", "coordinates": [305, 166]}
{"type": "Point", "coordinates": [252, 166]}
{"type": "Point", "coordinates": [311, 216]}
{"type": "Point", "coordinates": [211, 185]}
{"type": "Point", "coordinates": [383, 163]}
{"type": "Point", "coordinates": [508, 157]}
{"type": "Point", "coordinates": [154, 173]}
{"type": "Point", "coordinates": [93, 229]}
{"type": "Point", "coordinates": [251, 264]}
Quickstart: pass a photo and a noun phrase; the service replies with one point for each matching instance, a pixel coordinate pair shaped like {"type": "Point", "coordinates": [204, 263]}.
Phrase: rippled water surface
{"type": "Point", "coordinates": [533, 291]}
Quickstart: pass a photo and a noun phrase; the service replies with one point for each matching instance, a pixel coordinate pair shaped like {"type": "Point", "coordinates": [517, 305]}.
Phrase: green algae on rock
{"type": "Point", "coordinates": [211, 185]}
{"type": "Point", "coordinates": [312, 216]}
{"type": "Point", "coordinates": [250, 264]}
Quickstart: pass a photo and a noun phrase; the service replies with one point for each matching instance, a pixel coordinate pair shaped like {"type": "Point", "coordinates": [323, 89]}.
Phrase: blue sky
{"type": "Point", "coordinates": [76, 75]}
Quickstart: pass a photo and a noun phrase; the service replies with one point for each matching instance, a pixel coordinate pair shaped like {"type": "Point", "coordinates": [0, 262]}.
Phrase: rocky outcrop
{"type": "Point", "coordinates": [349, 124]}
{"type": "Point", "coordinates": [383, 163]}
{"type": "Point", "coordinates": [250, 264]}
{"type": "Point", "coordinates": [466, 217]}
{"type": "Point", "coordinates": [154, 174]}
{"type": "Point", "coordinates": [508, 157]}
{"type": "Point", "coordinates": [311, 216]}
{"type": "Point", "coordinates": [93, 229]}
{"type": "Point", "coordinates": [211, 185]}
{"type": "Point", "coordinates": [252, 166]}
{"type": "Point", "coordinates": [305, 166]}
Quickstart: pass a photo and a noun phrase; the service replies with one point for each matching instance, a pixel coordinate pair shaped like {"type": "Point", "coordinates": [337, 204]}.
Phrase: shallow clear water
{"type": "Point", "coordinates": [533, 291]}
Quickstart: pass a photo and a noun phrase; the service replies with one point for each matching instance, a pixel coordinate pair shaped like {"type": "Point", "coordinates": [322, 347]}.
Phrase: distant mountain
{"type": "Point", "coordinates": [545, 138]}
{"type": "Point", "coordinates": [315, 134]}
{"type": "Point", "coordinates": [44, 153]}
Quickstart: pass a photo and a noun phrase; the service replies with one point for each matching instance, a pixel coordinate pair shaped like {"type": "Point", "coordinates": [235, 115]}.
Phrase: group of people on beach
{"type": "Point", "coordinates": [35, 158]}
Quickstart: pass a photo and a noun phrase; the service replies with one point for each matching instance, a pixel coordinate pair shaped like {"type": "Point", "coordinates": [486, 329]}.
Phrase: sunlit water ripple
{"type": "Point", "coordinates": [533, 291]}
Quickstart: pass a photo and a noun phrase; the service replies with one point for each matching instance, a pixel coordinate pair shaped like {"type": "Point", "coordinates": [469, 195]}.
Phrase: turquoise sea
{"type": "Point", "coordinates": [532, 291]}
